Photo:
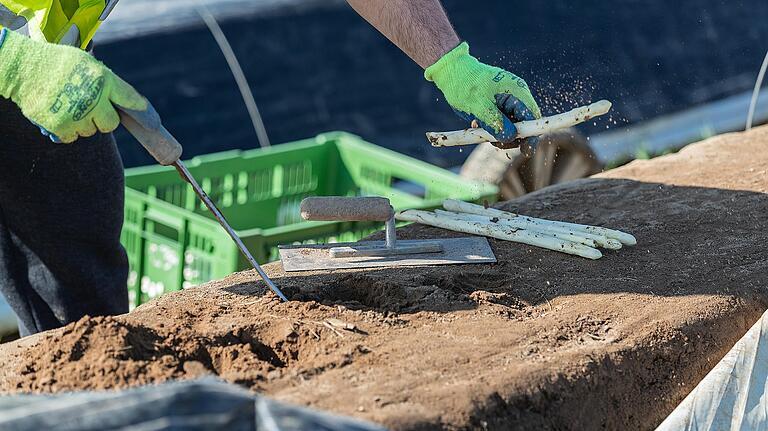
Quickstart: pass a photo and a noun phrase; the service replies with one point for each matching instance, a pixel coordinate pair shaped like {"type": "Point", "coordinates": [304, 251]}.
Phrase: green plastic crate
{"type": "Point", "coordinates": [173, 242]}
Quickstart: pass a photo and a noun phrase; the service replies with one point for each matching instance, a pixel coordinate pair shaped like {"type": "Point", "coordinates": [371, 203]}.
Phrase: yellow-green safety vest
{"type": "Point", "coordinates": [55, 20]}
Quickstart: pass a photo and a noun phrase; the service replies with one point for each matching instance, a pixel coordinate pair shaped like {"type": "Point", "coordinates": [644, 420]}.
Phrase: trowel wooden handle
{"type": "Point", "coordinates": [346, 209]}
{"type": "Point", "coordinates": [147, 128]}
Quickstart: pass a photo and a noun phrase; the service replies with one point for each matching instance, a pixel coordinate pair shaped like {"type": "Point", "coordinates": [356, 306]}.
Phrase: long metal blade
{"type": "Point", "coordinates": [179, 165]}
{"type": "Point", "coordinates": [313, 257]}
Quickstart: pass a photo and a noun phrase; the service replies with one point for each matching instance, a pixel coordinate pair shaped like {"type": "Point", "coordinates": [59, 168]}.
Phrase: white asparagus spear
{"type": "Point", "coordinates": [536, 225]}
{"type": "Point", "coordinates": [565, 233]}
{"type": "Point", "coordinates": [525, 129]}
{"type": "Point", "coordinates": [460, 206]}
{"type": "Point", "coordinates": [499, 232]}
{"type": "Point", "coordinates": [466, 207]}
{"type": "Point", "coordinates": [568, 236]}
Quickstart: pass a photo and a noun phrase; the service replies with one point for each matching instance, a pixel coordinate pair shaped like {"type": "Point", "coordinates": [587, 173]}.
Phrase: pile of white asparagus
{"type": "Point", "coordinates": [578, 239]}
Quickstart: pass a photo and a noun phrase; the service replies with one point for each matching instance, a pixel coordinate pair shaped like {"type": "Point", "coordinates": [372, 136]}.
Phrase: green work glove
{"type": "Point", "coordinates": [63, 90]}
{"type": "Point", "coordinates": [490, 95]}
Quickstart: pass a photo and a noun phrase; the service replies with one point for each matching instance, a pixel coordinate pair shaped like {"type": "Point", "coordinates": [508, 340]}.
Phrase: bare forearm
{"type": "Point", "coordinates": [420, 28]}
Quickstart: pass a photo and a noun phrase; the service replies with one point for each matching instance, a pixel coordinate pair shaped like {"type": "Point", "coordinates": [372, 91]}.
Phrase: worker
{"type": "Point", "coordinates": [61, 206]}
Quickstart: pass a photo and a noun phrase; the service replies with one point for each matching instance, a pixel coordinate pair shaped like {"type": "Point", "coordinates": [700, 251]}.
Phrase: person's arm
{"type": "Point", "coordinates": [420, 28]}
{"type": "Point", "coordinates": [478, 92]}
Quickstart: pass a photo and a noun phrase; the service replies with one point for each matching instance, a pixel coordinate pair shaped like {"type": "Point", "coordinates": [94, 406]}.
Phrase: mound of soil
{"type": "Point", "coordinates": [538, 340]}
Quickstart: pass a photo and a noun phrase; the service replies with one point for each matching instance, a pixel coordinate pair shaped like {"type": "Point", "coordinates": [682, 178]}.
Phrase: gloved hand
{"type": "Point", "coordinates": [63, 90]}
{"type": "Point", "coordinates": [490, 95]}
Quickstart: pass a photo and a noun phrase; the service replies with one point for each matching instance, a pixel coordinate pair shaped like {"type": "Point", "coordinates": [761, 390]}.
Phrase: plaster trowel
{"type": "Point", "coordinates": [370, 254]}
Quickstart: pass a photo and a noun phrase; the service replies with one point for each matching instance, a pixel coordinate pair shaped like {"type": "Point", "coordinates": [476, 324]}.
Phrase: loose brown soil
{"type": "Point", "coordinates": [539, 340]}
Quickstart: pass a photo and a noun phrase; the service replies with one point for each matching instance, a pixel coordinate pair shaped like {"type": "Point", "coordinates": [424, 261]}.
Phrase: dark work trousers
{"type": "Point", "coordinates": [61, 212]}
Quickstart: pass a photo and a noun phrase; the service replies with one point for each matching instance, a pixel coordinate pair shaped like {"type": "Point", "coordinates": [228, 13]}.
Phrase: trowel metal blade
{"type": "Point", "coordinates": [317, 256]}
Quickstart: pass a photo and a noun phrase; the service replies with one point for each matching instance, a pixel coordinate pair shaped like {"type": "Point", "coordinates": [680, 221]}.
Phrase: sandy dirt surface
{"type": "Point", "coordinates": [540, 340]}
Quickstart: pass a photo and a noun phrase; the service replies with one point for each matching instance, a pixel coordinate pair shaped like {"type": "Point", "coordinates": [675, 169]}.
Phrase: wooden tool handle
{"type": "Point", "coordinates": [336, 208]}
{"type": "Point", "coordinates": [525, 129]}
{"type": "Point", "coordinates": [147, 128]}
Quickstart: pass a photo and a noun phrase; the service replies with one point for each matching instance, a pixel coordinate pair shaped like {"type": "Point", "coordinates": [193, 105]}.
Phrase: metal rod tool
{"type": "Point", "coordinates": [148, 129]}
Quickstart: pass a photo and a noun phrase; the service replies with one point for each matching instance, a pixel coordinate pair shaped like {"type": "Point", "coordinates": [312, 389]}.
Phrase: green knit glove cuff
{"type": "Point", "coordinates": [450, 60]}
{"type": "Point", "coordinates": [9, 63]}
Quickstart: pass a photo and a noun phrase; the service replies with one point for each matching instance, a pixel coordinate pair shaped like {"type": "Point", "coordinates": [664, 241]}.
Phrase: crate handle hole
{"type": "Point", "coordinates": [410, 187]}
{"type": "Point", "coordinates": [164, 230]}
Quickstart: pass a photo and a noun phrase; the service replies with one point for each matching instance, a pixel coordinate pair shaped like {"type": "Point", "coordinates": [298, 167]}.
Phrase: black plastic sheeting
{"type": "Point", "coordinates": [205, 404]}
{"type": "Point", "coordinates": [320, 69]}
